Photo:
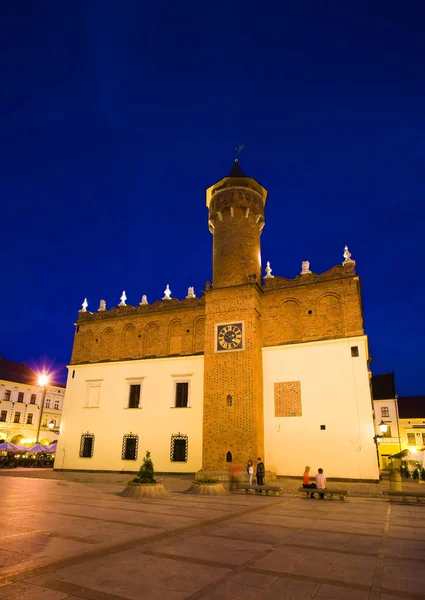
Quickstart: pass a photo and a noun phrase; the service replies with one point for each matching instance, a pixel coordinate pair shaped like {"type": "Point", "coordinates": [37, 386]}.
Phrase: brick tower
{"type": "Point", "coordinates": [233, 429]}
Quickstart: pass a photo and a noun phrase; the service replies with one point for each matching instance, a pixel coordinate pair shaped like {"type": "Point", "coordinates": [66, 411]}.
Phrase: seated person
{"type": "Point", "coordinates": [306, 483]}
{"type": "Point", "coordinates": [321, 482]}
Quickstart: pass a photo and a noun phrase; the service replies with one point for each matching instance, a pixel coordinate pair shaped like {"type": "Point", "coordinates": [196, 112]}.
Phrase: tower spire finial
{"type": "Point", "coordinates": [238, 150]}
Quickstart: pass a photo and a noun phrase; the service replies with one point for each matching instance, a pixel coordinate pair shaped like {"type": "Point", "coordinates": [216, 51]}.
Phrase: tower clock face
{"type": "Point", "coordinates": [230, 337]}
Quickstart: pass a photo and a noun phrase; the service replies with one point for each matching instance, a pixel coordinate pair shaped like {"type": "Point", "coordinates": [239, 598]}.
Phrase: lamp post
{"type": "Point", "coordinates": [43, 382]}
{"type": "Point", "coordinates": [383, 428]}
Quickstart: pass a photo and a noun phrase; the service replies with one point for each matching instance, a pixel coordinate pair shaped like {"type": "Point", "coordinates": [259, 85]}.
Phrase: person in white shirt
{"type": "Point", "coordinates": [321, 483]}
{"type": "Point", "coordinates": [250, 472]}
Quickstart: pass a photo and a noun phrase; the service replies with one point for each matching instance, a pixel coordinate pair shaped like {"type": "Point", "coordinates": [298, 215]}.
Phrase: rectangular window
{"type": "Point", "coordinates": [29, 419]}
{"type": "Point", "coordinates": [17, 418]}
{"type": "Point", "coordinates": [33, 398]}
{"type": "Point", "coordinates": [179, 445]}
{"type": "Point", "coordinates": [411, 440]}
{"type": "Point", "coordinates": [354, 351]}
{"type": "Point", "coordinates": [182, 394]}
{"type": "Point", "coordinates": [20, 396]}
{"type": "Point", "coordinates": [129, 447]}
{"type": "Point", "coordinates": [56, 404]}
{"type": "Point", "coordinates": [47, 403]}
{"type": "Point", "coordinates": [3, 415]}
{"type": "Point", "coordinates": [385, 411]}
{"type": "Point", "coordinates": [134, 396]}
{"type": "Point", "coordinates": [388, 432]}
{"type": "Point", "coordinates": [7, 394]}
{"type": "Point", "coordinates": [87, 445]}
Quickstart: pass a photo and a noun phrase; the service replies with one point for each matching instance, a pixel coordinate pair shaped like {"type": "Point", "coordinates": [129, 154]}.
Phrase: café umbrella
{"type": "Point", "coordinates": [9, 447]}
{"type": "Point", "coordinates": [37, 448]}
{"type": "Point", "coordinates": [51, 447]}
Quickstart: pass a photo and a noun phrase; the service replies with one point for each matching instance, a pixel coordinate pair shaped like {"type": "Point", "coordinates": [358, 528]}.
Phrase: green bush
{"type": "Point", "coordinates": [146, 472]}
{"type": "Point", "coordinates": [423, 474]}
{"type": "Point", "coordinates": [407, 473]}
{"type": "Point", "coordinates": [416, 474]}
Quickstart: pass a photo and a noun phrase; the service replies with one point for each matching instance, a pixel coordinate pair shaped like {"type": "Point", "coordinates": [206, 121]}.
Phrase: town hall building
{"type": "Point", "coordinates": [258, 366]}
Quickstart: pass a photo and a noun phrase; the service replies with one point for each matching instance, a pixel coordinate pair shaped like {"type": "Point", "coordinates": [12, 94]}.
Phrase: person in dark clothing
{"type": "Point", "coordinates": [261, 471]}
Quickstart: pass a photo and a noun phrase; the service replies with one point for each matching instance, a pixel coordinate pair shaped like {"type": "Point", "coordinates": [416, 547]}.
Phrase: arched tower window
{"type": "Point", "coordinates": [229, 457]}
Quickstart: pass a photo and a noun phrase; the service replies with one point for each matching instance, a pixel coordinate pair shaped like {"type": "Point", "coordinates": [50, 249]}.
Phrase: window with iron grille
{"type": "Point", "coordinates": [3, 415]}
{"type": "Point", "coordinates": [29, 419]}
{"type": "Point", "coordinates": [134, 396]}
{"type": "Point", "coordinates": [7, 394]}
{"type": "Point", "coordinates": [178, 452]}
{"type": "Point", "coordinates": [33, 398]}
{"type": "Point", "coordinates": [17, 418]}
{"type": "Point", "coordinates": [385, 411]}
{"type": "Point", "coordinates": [130, 444]}
{"type": "Point", "coordinates": [182, 394]}
{"type": "Point", "coordinates": [87, 445]}
{"type": "Point", "coordinates": [20, 396]}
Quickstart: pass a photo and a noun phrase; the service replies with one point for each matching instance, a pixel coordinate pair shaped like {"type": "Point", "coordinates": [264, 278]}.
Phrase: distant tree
{"type": "Point", "coordinates": [423, 474]}
{"type": "Point", "coordinates": [146, 472]}
{"type": "Point", "coordinates": [416, 473]}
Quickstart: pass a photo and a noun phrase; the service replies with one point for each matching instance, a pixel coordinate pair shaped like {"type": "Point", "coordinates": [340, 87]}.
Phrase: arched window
{"type": "Point", "coordinates": [229, 457]}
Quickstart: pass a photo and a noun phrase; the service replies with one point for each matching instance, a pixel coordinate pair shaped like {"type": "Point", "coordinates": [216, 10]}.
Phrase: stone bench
{"type": "Point", "coordinates": [326, 491]}
{"type": "Point", "coordinates": [260, 488]}
{"type": "Point", "coordinates": [419, 495]}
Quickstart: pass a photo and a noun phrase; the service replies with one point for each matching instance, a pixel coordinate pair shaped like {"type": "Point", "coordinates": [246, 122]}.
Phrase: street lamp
{"type": "Point", "coordinates": [43, 381]}
{"type": "Point", "coordinates": [51, 425]}
{"type": "Point", "coordinates": [383, 427]}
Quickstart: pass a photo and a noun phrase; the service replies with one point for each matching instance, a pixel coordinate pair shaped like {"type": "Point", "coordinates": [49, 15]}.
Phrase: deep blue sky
{"type": "Point", "coordinates": [115, 117]}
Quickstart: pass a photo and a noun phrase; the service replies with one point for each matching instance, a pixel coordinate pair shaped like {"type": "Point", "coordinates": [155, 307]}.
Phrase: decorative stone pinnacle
{"type": "Point", "coordinates": [144, 300]}
{"type": "Point", "coordinates": [123, 299]}
{"type": "Point", "coordinates": [102, 306]}
{"type": "Point", "coordinates": [268, 274]}
{"type": "Point", "coordinates": [305, 267]}
{"type": "Point", "coordinates": [190, 292]}
{"type": "Point", "coordinates": [347, 256]}
{"type": "Point", "coordinates": [84, 306]}
{"type": "Point", "coordinates": [167, 293]}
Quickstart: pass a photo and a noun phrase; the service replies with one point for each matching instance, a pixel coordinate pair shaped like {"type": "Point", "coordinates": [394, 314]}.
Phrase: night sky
{"type": "Point", "coordinates": [117, 115]}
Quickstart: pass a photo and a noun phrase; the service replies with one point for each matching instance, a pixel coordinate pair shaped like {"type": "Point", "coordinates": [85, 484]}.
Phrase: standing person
{"type": "Point", "coordinates": [250, 472]}
{"type": "Point", "coordinates": [321, 483]}
{"type": "Point", "coordinates": [261, 471]}
{"type": "Point", "coordinates": [306, 482]}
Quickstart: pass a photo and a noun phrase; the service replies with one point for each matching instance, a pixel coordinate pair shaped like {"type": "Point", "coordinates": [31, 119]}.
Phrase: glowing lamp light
{"type": "Point", "coordinates": [51, 425]}
{"type": "Point", "coordinates": [383, 427]}
{"type": "Point", "coordinates": [412, 449]}
{"type": "Point", "coordinates": [43, 380]}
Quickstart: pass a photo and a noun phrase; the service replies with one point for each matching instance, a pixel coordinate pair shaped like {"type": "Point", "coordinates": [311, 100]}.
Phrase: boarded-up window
{"type": "Point", "coordinates": [93, 395]}
{"type": "Point", "coordinates": [287, 399]}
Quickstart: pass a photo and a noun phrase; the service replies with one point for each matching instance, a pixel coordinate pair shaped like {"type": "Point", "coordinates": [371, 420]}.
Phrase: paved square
{"type": "Point", "coordinates": [65, 539]}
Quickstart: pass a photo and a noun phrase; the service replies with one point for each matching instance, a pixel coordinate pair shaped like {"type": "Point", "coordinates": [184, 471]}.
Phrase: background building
{"type": "Point", "coordinates": [20, 405]}
{"type": "Point", "coordinates": [257, 366]}
{"type": "Point", "coordinates": [404, 416]}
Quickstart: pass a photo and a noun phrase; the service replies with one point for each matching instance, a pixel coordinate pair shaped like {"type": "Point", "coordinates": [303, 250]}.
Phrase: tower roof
{"type": "Point", "coordinates": [236, 170]}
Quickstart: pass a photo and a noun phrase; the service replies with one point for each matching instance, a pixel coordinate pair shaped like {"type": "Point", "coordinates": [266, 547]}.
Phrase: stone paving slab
{"type": "Point", "coordinates": [80, 540]}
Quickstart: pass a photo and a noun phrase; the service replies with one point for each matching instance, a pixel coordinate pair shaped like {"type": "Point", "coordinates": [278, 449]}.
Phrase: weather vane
{"type": "Point", "coordinates": [238, 150]}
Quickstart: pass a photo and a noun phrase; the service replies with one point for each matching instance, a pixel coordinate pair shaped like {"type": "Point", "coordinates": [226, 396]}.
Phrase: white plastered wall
{"type": "Point", "coordinates": [335, 392]}
{"type": "Point", "coordinates": [154, 422]}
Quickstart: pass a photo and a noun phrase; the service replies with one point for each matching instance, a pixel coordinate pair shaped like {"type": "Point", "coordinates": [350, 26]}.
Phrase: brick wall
{"type": "Point", "coordinates": [125, 334]}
